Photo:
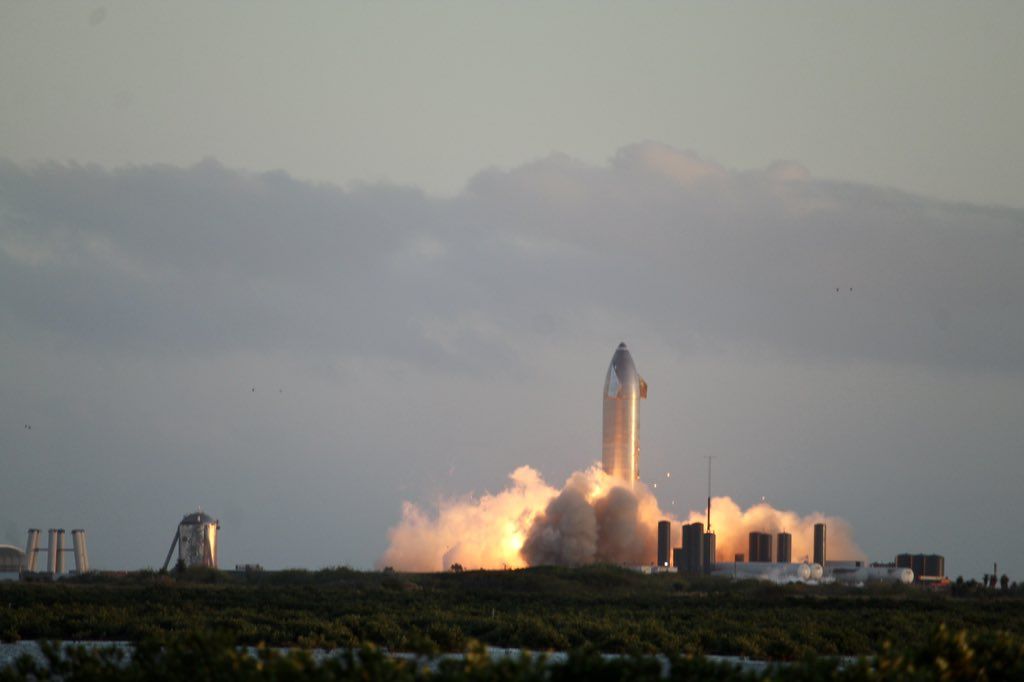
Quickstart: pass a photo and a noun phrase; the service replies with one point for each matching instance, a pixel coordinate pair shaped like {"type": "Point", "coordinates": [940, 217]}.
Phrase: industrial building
{"type": "Point", "coordinates": [697, 554]}
{"type": "Point", "coordinates": [11, 560]}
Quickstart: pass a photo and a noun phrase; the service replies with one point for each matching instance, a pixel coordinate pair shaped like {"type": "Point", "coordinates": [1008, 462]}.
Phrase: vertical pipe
{"type": "Point", "coordinates": [81, 553]}
{"type": "Point", "coordinates": [60, 551]}
{"type": "Point", "coordinates": [29, 563]}
{"type": "Point", "coordinates": [51, 551]}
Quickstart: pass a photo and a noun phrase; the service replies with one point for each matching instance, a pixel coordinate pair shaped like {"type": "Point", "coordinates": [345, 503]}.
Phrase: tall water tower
{"type": "Point", "coordinates": [196, 540]}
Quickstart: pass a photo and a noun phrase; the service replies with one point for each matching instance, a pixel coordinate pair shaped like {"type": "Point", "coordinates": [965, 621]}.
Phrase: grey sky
{"type": "Point", "coordinates": [466, 224]}
{"type": "Point", "coordinates": [924, 96]}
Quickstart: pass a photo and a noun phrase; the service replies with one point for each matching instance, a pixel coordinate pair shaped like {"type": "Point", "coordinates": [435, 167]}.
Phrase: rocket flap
{"type": "Point", "coordinates": [643, 387]}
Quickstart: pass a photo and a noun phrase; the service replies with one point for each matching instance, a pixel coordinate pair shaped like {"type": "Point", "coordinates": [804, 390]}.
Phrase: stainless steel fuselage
{"type": "Point", "coordinates": [623, 390]}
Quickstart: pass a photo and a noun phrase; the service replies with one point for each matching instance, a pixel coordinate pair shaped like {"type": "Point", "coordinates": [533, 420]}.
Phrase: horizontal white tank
{"type": "Point", "coordinates": [781, 573]}
{"type": "Point", "coordinates": [872, 574]}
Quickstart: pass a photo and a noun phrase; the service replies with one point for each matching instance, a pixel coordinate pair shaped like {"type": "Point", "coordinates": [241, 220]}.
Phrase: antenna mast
{"type": "Point", "coordinates": [710, 457]}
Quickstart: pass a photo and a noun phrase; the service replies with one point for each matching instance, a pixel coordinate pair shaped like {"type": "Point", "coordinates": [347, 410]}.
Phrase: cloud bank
{"type": "Point", "coordinates": [204, 259]}
{"type": "Point", "coordinates": [396, 336]}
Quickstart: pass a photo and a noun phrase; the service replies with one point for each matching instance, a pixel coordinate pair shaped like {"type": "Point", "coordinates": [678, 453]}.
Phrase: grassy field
{"type": "Point", "coordinates": [607, 608]}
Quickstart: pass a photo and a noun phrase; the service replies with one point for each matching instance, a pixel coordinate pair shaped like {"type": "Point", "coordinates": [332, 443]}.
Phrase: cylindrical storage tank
{"type": "Point", "coordinates": [51, 551]}
{"type": "Point", "coordinates": [935, 566]}
{"type": "Point", "coordinates": [664, 542]}
{"type": "Point", "coordinates": [81, 553]}
{"type": "Point", "coordinates": [31, 545]}
{"type": "Point", "coordinates": [903, 561]}
{"type": "Point", "coordinates": [764, 548]}
{"type": "Point", "coordinates": [709, 552]}
{"type": "Point", "coordinates": [906, 576]}
{"type": "Point", "coordinates": [817, 571]}
{"type": "Point", "coordinates": [820, 544]}
{"type": "Point", "coordinates": [803, 571]}
{"type": "Point", "coordinates": [784, 542]}
{"type": "Point", "coordinates": [693, 547]}
{"type": "Point", "coordinates": [754, 547]}
{"type": "Point", "coordinates": [917, 565]}
{"type": "Point", "coordinates": [197, 540]}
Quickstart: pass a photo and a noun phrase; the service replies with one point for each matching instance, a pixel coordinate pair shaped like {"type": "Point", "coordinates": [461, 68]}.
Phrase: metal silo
{"type": "Point", "coordinates": [31, 546]}
{"type": "Point", "coordinates": [819, 544]}
{"type": "Point", "coordinates": [709, 552]}
{"type": "Point", "coordinates": [784, 555]}
{"type": "Point", "coordinates": [764, 547]}
{"type": "Point", "coordinates": [664, 541]}
{"type": "Point", "coordinates": [196, 540]}
{"type": "Point", "coordinates": [693, 547]}
{"type": "Point", "coordinates": [754, 547]}
{"type": "Point", "coordinates": [81, 553]}
{"type": "Point", "coordinates": [935, 566]}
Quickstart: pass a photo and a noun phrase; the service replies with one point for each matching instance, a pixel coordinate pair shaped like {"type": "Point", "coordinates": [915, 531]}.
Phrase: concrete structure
{"type": "Point", "coordinates": [623, 391]}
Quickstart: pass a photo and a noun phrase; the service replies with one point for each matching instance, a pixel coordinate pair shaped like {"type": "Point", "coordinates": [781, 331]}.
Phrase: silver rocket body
{"type": "Point", "coordinates": [623, 391]}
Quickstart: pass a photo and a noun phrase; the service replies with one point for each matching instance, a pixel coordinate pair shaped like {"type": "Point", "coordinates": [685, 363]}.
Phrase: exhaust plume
{"type": "Point", "coordinates": [593, 518]}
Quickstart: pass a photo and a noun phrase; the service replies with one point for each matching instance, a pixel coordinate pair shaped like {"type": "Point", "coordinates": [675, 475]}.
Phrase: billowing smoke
{"type": "Point", "coordinates": [592, 518]}
{"type": "Point", "coordinates": [732, 527]}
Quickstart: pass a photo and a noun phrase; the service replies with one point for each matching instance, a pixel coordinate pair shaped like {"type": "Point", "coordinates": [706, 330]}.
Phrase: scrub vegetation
{"type": "Point", "coordinates": [601, 607]}
{"type": "Point", "coordinates": [946, 655]}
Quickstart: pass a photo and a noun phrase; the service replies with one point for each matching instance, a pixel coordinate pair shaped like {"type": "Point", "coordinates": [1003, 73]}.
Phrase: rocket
{"type": "Point", "coordinates": [623, 391]}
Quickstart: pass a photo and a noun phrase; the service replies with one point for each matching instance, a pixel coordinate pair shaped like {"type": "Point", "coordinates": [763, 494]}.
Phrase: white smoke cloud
{"type": "Point", "coordinates": [593, 518]}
